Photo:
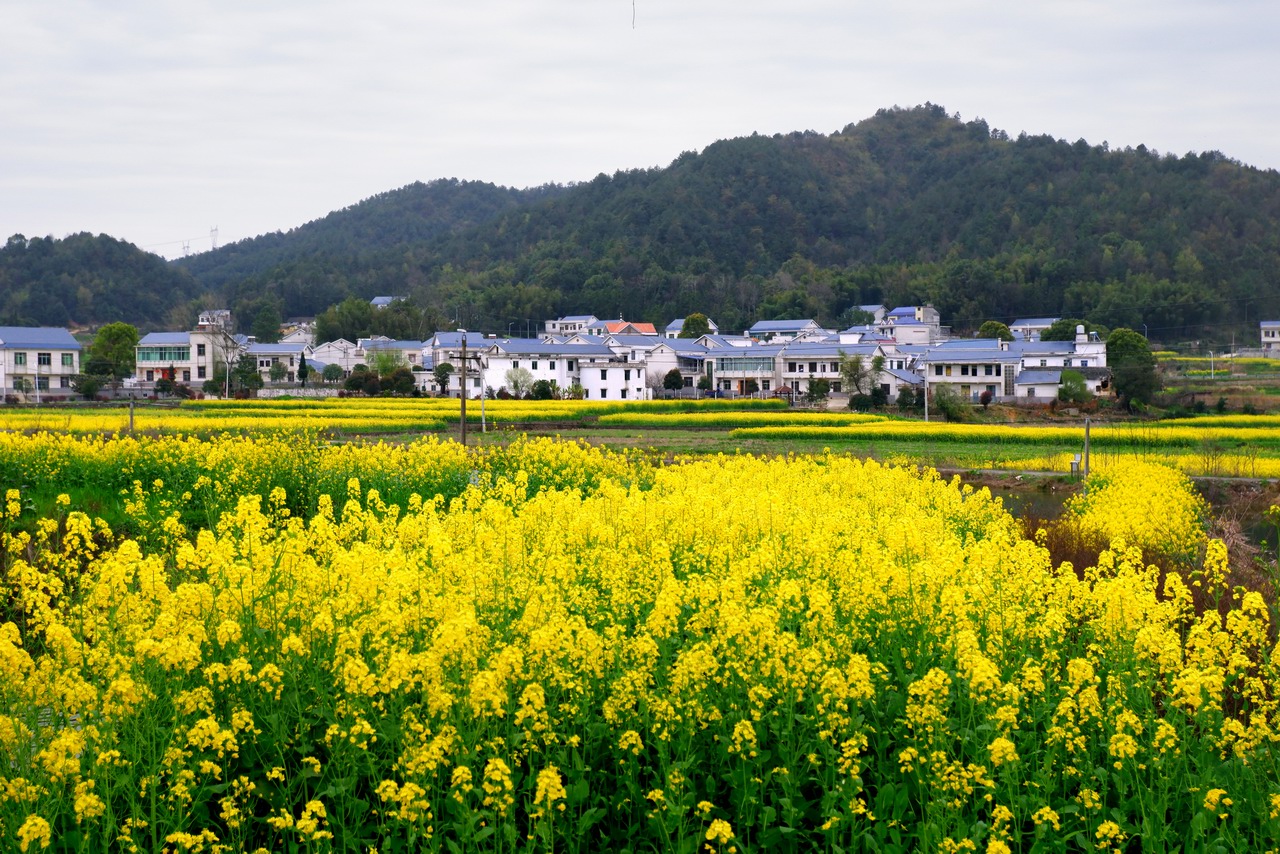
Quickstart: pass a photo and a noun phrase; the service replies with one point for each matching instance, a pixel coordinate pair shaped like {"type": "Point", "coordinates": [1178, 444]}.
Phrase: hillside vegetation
{"type": "Point", "coordinates": [908, 206]}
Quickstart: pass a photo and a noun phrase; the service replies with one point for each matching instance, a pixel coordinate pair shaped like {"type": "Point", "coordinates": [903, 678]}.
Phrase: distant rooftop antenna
{"type": "Point", "coordinates": [213, 236]}
{"type": "Point", "coordinates": [186, 248]}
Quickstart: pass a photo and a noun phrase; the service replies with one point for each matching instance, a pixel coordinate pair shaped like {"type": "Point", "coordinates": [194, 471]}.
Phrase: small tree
{"type": "Point", "coordinates": [542, 390]}
{"type": "Point", "coordinates": [860, 374]}
{"type": "Point", "coordinates": [277, 371]}
{"type": "Point", "coordinates": [385, 362]}
{"type": "Point", "coordinates": [245, 376]}
{"type": "Point", "coordinates": [400, 381]}
{"type": "Point", "coordinates": [1073, 388]}
{"type": "Point", "coordinates": [995, 329]}
{"type": "Point", "coordinates": [114, 352]}
{"type": "Point", "coordinates": [704, 383]}
{"type": "Point", "coordinates": [331, 373]}
{"type": "Point", "coordinates": [948, 402]}
{"type": "Point", "coordinates": [1133, 367]}
{"type": "Point", "coordinates": [440, 376]}
{"type": "Point", "coordinates": [304, 370]}
{"type": "Point", "coordinates": [909, 398]}
{"type": "Point", "coordinates": [88, 385]}
{"type": "Point", "coordinates": [750, 386]}
{"type": "Point", "coordinates": [695, 326]}
{"type": "Point", "coordinates": [519, 380]}
{"type": "Point", "coordinates": [674, 380]}
{"type": "Point", "coordinates": [819, 390]}
{"type": "Point", "coordinates": [985, 398]}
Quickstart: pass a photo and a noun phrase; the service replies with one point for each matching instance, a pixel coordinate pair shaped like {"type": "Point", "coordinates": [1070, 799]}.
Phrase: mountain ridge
{"type": "Point", "coordinates": [910, 205]}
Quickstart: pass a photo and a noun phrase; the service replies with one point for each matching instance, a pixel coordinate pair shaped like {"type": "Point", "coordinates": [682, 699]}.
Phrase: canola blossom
{"type": "Point", "coordinates": [747, 418]}
{"type": "Point", "coordinates": [1138, 436]}
{"type": "Point", "coordinates": [581, 651]}
{"type": "Point", "coordinates": [339, 415]}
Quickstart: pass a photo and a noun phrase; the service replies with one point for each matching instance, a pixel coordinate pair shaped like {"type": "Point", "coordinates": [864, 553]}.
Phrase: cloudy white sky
{"type": "Point", "coordinates": [157, 121]}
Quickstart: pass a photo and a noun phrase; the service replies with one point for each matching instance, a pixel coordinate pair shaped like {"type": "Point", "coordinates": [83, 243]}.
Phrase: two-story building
{"type": "Point", "coordinates": [190, 357]}
{"type": "Point", "coordinates": [543, 360]}
{"type": "Point", "coordinates": [38, 360]}
{"type": "Point", "coordinates": [1269, 332]}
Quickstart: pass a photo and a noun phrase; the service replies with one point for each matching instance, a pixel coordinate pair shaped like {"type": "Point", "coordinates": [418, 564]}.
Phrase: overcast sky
{"type": "Point", "coordinates": [154, 121]}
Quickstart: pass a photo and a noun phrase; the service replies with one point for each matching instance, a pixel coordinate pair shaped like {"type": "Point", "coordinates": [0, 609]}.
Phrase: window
{"type": "Point", "coordinates": [64, 382]}
{"type": "Point", "coordinates": [937, 370]}
{"type": "Point", "coordinates": [791, 367]}
{"type": "Point", "coordinates": [199, 349]}
{"type": "Point", "coordinates": [568, 364]}
{"type": "Point", "coordinates": [964, 370]}
{"type": "Point", "coordinates": [604, 374]}
{"type": "Point", "coordinates": [515, 363]}
{"type": "Point", "coordinates": [200, 372]}
{"type": "Point", "coordinates": [186, 376]}
{"type": "Point", "coordinates": [987, 369]}
{"type": "Point", "coordinates": [997, 370]}
{"type": "Point", "coordinates": [45, 359]}
{"type": "Point", "coordinates": [19, 358]}
{"type": "Point", "coordinates": [1066, 363]}
{"type": "Point", "coordinates": [626, 375]}
{"type": "Point", "coordinates": [534, 365]}
{"type": "Point", "coordinates": [604, 392]}
{"type": "Point", "coordinates": [1031, 392]}
{"type": "Point", "coordinates": [68, 360]}
{"type": "Point", "coordinates": [1084, 363]}
{"type": "Point", "coordinates": [42, 383]}
{"type": "Point", "coordinates": [475, 383]}
{"type": "Point", "coordinates": [552, 365]}
{"type": "Point", "coordinates": [17, 382]}
{"type": "Point", "coordinates": [624, 394]}
{"type": "Point", "coordinates": [813, 367]}
{"type": "Point", "coordinates": [1044, 362]}
{"type": "Point", "coordinates": [151, 376]}
{"type": "Point", "coordinates": [948, 370]}
{"type": "Point", "coordinates": [764, 385]}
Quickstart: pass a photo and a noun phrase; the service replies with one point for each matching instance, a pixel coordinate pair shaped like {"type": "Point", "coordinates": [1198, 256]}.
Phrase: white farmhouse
{"type": "Point", "coordinates": [38, 359]}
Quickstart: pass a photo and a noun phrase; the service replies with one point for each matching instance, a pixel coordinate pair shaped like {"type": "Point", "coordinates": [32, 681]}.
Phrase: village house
{"type": "Point", "coordinates": [1029, 328]}
{"type": "Point", "coordinates": [782, 331]}
{"type": "Point", "coordinates": [568, 325]}
{"type": "Point", "coordinates": [190, 357]}
{"type": "Point", "coordinates": [38, 360]}
{"type": "Point", "coordinates": [1269, 331]}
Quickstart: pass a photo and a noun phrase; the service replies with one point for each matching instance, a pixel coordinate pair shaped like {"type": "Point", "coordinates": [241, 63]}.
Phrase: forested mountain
{"type": "Point", "coordinates": [361, 237]}
{"type": "Point", "coordinates": [908, 206]}
{"type": "Point", "coordinates": [87, 279]}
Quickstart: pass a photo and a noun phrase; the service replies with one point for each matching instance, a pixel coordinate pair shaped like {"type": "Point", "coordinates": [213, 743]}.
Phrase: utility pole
{"type": "Point", "coordinates": [1086, 448]}
{"type": "Point", "coordinates": [462, 385]}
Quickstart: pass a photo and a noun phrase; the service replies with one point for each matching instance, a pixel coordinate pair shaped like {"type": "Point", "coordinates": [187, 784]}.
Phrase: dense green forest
{"type": "Point", "coordinates": [87, 279]}
{"type": "Point", "coordinates": [908, 206]}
